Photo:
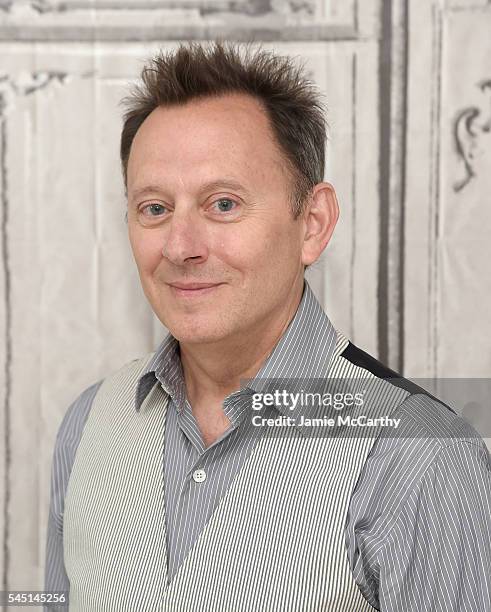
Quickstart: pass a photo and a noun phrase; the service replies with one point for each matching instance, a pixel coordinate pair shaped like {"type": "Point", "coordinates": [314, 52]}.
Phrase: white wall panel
{"type": "Point", "coordinates": [465, 204]}
{"type": "Point", "coordinates": [447, 212]}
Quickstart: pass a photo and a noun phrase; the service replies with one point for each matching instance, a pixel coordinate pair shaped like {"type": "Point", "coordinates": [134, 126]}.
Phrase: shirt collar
{"type": "Point", "coordinates": [304, 351]}
{"type": "Point", "coordinates": [164, 367]}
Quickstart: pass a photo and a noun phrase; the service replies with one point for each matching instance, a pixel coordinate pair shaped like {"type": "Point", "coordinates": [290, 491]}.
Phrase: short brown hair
{"type": "Point", "coordinates": [292, 102]}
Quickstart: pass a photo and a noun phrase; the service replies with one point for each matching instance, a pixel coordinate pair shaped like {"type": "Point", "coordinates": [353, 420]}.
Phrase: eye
{"type": "Point", "coordinates": [152, 210]}
{"type": "Point", "coordinates": [224, 204]}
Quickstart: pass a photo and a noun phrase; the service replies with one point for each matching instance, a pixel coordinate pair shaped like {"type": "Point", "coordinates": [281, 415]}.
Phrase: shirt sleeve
{"type": "Point", "coordinates": [437, 556]}
{"type": "Point", "coordinates": [66, 444]}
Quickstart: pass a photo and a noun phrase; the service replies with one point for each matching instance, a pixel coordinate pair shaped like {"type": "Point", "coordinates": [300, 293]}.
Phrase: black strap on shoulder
{"type": "Point", "coordinates": [362, 359]}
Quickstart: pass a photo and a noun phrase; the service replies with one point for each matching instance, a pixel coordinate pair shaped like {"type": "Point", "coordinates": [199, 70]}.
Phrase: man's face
{"type": "Point", "coordinates": [208, 202]}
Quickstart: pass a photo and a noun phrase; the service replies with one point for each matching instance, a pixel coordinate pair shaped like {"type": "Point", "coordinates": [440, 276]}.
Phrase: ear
{"type": "Point", "coordinates": [319, 218]}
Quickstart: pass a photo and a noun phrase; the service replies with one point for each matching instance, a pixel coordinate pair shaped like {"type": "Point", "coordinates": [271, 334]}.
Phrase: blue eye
{"type": "Point", "coordinates": [153, 207]}
{"type": "Point", "coordinates": [228, 202]}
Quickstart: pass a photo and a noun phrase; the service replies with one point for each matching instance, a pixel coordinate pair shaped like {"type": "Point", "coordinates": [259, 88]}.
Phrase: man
{"type": "Point", "coordinates": [168, 493]}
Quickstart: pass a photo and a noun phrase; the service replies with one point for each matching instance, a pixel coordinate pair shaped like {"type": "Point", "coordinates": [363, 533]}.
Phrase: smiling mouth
{"type": "Point", "coordinates": [193, 289]}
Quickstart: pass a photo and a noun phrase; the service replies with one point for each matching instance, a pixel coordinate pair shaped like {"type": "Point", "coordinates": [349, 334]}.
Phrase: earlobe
{"type": "Point", "coordinates": [321, 217]}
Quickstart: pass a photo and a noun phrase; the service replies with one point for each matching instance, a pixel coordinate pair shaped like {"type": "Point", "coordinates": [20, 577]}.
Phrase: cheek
{"type": "Point", "coordinates": [147, 249]}
{"type": "Point", "coordinates": [245, 252]}
{"type": "Point", "coordinates": [259, 249]}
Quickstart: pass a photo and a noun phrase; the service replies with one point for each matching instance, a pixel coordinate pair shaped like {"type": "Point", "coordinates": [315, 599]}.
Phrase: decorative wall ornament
{"type": "Point", "coordinates": [24, 85]}
{"type": "Point", "coordinates": [472, 137]}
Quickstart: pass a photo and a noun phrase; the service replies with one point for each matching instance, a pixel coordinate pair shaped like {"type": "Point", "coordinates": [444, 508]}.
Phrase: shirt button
{"type": "Point", "coordinates": [199, 475]}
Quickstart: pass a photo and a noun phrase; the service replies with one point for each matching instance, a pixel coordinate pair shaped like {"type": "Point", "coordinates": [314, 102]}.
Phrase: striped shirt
{"type": "Point", "coordinates": [418, 529]}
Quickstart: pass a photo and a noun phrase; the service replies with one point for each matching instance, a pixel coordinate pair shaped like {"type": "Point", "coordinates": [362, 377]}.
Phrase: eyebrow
{"type": "Point", "coordinates": [225, 183]}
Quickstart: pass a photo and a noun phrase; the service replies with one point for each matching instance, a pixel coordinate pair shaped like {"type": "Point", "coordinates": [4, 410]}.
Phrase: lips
{"type": "Point", "coordinates": [193, 290]}
{"type": "Point", "coordinates": [193, 286]}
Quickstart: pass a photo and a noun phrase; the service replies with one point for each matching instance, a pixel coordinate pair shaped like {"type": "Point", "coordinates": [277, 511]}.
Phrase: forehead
{"type": "Point", "coordinates": [208, 135]}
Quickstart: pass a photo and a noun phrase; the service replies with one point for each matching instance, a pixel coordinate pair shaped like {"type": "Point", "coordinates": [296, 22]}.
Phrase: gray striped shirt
{"type": "Point", "coordinates": [418, 529]}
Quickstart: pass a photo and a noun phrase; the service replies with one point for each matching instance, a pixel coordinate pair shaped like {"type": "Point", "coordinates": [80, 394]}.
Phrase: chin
{"type": "Point", "coordinates": [194, 332]}
{"type": "Point", "coordinates": [197, 338]}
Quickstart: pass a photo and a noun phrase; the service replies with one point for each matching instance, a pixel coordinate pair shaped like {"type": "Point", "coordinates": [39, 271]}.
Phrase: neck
{"type": "Point", "coordinates": [213, 371]}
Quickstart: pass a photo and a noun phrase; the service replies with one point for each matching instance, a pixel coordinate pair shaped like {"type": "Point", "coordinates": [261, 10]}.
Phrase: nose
{"type": "Point", "coordinates": [185, 238]}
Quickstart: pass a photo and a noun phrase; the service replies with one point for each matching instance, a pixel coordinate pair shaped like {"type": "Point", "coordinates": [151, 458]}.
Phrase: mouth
{"type": "Point", "coordinates": [193, 290]}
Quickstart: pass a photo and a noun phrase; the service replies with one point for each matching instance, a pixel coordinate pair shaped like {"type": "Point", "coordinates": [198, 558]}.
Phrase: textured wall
{"type": "Point", "coordinates": [408, 86]}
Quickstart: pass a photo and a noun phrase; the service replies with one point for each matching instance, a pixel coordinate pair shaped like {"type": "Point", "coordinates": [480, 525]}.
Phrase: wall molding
{"type": "Point", "coordinates": [132, 21]}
